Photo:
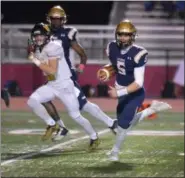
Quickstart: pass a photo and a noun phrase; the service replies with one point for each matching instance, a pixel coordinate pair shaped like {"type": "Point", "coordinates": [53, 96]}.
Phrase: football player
{"type": "Point", "coordinates": [34, 48]}
{"type": "Point", "coordinates": [67, 37]}
{"type": "Point", "coordinates": [51, 60]}
{"type": "Point", "coordinates": [129, 62]}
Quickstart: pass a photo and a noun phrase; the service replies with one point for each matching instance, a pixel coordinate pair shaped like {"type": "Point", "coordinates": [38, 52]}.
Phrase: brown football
{"type": "Point", "coordinates": [106, 72]}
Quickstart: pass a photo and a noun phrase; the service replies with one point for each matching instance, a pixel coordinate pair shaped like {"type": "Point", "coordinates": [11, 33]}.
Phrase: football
{"type": "Point", "coordinates": [106, 73]}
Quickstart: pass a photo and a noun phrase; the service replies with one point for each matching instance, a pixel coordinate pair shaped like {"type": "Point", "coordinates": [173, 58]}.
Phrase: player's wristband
{"type": "Point", "coordinates": [36, 62]}
{"type": "Point", "coordinates": [122, 92]}
{"type": "Point", "coordinates": [81, 67]}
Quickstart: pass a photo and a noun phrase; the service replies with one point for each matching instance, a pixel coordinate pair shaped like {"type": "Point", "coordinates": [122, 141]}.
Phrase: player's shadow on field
{"type": "Point", "coordinates": [37, 155]}
{"type": "Point", "coordinates": [63, 153]}
{"type": "Point", "coordinates": [53, 153]}
{"type": "Point", "coordinates": [7, 156]}
{"type": "Point", "coordinates": [113, 167]}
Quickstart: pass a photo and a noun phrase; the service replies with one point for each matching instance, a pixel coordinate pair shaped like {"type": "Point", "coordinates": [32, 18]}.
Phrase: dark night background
{"type": "Point", "coordinates": [80, 12]}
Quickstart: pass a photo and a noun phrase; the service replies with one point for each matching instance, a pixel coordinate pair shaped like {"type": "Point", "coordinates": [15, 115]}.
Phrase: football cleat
{"type": "Point", "coordinates": [94, 143]}
{"type": "Point", "coordinates": [49, 131]}
{"type": "Point", "coordinates": [113, 156]}
{"type": "Point", "coordinates": [114, 127]}
{"type": "Point", "coordinates": [145, 106]}
{"type": "Point", "coordinates": [60, 134]}
{"type": "Point", "coordinates": [159, 106]}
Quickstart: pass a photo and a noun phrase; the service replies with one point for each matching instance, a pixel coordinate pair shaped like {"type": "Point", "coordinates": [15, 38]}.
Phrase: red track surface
{"type": "Point", "coordinates": [107, 105]}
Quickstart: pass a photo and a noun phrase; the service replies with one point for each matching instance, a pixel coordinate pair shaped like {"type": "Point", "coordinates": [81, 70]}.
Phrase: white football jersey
{"type": "Point", "coordinates": [54, 50]}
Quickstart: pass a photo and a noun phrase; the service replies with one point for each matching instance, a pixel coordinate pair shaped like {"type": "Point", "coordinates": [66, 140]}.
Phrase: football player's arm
{"type": "Point", "coordinates": [107, 71]}
{"type": "Point", "coordinates": [78, 49]}
{"type": "Point", "coordinates": [139, 80]}
{"type": "Point", "coordinates": [51, 66]}
{"type": "Point", "coordinates": [139, 72]}
{"type": "Point", "coordinates": [110, 54]}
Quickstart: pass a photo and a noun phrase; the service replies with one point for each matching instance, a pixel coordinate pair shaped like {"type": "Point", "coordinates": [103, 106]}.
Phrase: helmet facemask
{"type": "Point", "coordinates": [39, 40]}
{"type": "Point", "coordinates": [124, 39]}
{"type": "Point", "coordinates": [56, 22]}
{"type": "Point", "coordinates": [39, 37]}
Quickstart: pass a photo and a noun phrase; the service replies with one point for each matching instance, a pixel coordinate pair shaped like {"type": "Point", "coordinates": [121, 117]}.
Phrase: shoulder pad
{"type": "Point", "coordinates": [71, 31]}
{"type": "Point", "coordinates": [108, 47]}
{"type": "Point", "coordinates": [139, 55]}
{"type": "Point", "coordinates": [140, 51]}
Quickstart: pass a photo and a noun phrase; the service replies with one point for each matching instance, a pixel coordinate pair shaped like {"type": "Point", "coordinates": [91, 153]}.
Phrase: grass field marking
{"type": "Point", "coordinates": [156, 133]}
{"type": "Point", "coordinates": [181, 154]}
{"type": "Point", "coordinates": [133, 132]}
{"type": "Point", "coordinates": [34, 131]}
{"type": "Point", "coordinates": [51, 148]}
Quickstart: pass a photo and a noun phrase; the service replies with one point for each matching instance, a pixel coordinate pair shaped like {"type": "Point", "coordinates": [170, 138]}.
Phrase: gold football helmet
{"type": "Point", "coordinates": [125, 28]}
{"type": "Point", "coordinates": [58, 13]}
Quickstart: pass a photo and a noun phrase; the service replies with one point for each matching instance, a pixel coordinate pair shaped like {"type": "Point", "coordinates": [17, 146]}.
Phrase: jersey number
{"type": "Point", "coordinates": [121, 68]}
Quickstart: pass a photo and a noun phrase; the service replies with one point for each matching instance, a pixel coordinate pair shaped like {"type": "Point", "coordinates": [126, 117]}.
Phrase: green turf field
{"type": "Point", "coordinates": [156, 154]}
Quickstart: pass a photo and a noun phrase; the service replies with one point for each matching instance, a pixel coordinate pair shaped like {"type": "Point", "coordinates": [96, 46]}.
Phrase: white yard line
{"type": "Point", "coordinates": [156, 133]}
{"type": "Point", "coordinates": [51, 148]}
{"type": "Point", "coordinates": [34, 131]}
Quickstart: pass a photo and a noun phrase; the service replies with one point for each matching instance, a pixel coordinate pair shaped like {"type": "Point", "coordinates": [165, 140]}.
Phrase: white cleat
{"type": "Point", "coordinates": [113, 156]}
{"type": "Point", "coordinates": [159, 106]}
{"type": "Point", "coordinates": [62, 132]}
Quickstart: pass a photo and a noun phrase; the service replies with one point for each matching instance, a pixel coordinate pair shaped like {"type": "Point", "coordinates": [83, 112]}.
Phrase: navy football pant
{"type": "Point", "coordinates": [79, 93]}
{"type": "Point", "coordinates": [127, 107]}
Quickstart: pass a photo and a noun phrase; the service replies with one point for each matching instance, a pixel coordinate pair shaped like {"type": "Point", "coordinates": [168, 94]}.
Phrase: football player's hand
{"type": "Point", "coordinates": [80, 68]}
{"type": "Point", "coordinates": [31, 47]}
{"type": "Point", "coordinates": [112, 92]}
{"type": "Point", "coordinates": [31, 56]}
{"type": "Point", "coordinates": [33, 59]}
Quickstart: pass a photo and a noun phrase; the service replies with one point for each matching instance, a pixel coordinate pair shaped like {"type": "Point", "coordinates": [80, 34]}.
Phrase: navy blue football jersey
{"type": "Point", "coordinates": [125, 61]}
{"type": "Point", "coordinates": [66, 35]}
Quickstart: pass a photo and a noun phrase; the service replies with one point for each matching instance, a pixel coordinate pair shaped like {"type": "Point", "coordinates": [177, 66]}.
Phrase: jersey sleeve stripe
{"type": "Point", "coordinates": [107, 49]}
{"type": "Point", "coordinates": [139, 55]}
{"type": "Point", "coordinates": [71, 33]}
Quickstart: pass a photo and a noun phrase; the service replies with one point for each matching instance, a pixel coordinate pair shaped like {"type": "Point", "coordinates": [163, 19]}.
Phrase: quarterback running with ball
{"type": "Point", "coordinates": [127, 63]}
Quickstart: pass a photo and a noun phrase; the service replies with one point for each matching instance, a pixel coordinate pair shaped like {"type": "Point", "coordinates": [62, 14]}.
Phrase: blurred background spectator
{"type": "Point", "coordinates": [171, 7]}
{"type": "Point", "coordinates": [180, 8]}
